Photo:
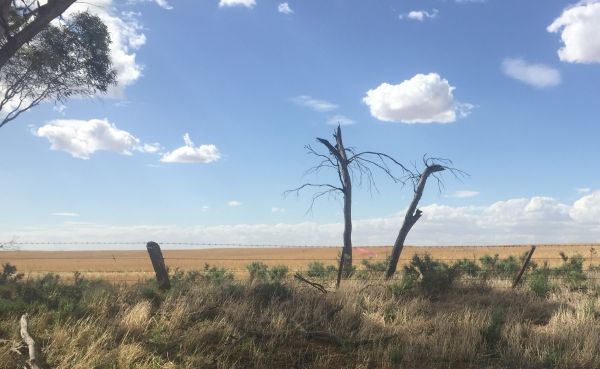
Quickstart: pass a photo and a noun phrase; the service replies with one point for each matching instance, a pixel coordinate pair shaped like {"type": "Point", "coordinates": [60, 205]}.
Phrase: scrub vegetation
{"type": "Point", "coordinates": [433, 315]}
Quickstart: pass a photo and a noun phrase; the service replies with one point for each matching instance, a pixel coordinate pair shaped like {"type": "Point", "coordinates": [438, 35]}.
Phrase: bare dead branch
{"type": "Point", "coordinates": [318, 286]}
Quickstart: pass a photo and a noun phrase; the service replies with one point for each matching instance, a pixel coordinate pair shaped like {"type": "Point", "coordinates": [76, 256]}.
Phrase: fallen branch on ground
{"type": "Point", "coordinates": [33, 358]}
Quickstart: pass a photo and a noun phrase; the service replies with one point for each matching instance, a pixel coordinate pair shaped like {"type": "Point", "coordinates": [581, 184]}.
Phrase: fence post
{"type": "Point", "coordinates": [524, 267]}
{"type": "Point", "coordinates": [158, 263]}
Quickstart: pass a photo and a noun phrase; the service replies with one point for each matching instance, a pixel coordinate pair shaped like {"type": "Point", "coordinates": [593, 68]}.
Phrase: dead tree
{"type": "Point", "coordinates": [432, 166]}
{"type": "Point", "coordinates": [348, 164]}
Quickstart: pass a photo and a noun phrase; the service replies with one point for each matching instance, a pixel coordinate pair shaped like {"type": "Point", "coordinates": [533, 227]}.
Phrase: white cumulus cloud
{"type": "Point", "coordinates": [587, 208]}
{"type": "Point", "coordinates": [420, 15]}
{"type": "Point", "coordinates": [189, 153]}
{"type": "Point", "coordinates": [579, 28]}
{"type": "Point", "coordinates": [537, 75]}
{"type": "Point", "coordinates": [230, 3]}
{"type": "Point", "coordinates": [234, 203]}
{"type": "Point", "coordinates": [314, 104]}
{"type": "Point", "coordinates": [277, 210]}
{"type": "Point", "coordinates": [425, 98]}
{"type": "Point", "coordinates": [284, 8]}
{"type": "Point", "coordinates": [82, 138]}
{"type": "Point", "coordinates": [514, 221]}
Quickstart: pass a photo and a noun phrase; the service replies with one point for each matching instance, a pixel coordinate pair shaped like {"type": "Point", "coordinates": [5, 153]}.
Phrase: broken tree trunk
{"type": "Point", "coordinates": [158, 263]}
{"type": "Point", "coordinates": [34, 361]}
{"type": "Point", "coordinates": [523, 268]}
{"type": "Point", "coordinates": [412, 215]}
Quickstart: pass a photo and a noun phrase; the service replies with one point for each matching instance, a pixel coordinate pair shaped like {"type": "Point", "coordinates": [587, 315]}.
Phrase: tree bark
{"type": "Point", "coordinates": [45, 14]}
{"type": "Point", "coordinates": [347, 182]}
{"type": "Point", "coordinates": [339, 151]}
{"type": "Point", "coordinates": [412, 216]}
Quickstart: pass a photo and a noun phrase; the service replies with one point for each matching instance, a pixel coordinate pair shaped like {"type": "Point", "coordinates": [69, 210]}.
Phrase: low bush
{"type": "Point", "coordinates": [316, 269]}
{"type": "Point", "coordinates": [278, 273]}
{"type": "Point", "coordinates": [571, 271]}
{"type": "Point", "coordinates": [372, 269]}
{"type": "Point", "coordinates": [257, 271]}
{"type": "Point", "coordinates": [216, 275]}
{"type": "Point", "coordinates": [260, 272]}
{"type": "Point", "coordinates": [431, 276]}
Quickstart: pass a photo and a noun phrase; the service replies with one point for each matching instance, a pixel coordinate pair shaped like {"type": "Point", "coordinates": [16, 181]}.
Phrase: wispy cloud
{"type": "Point", "coordinates": [342, 120]}
{"type": "Point", "coordinates": [234, 203]}
{"type": "Point", "coordinates": [537, 75]}
{"type": "Point", "coordinates": [314, 104]}
{"type": "Point", "coordinates": [65, 214]}
{"type": "Point", "coordinates": [231, 3]}
{"type": "Point", "coordinates": [465, 194]}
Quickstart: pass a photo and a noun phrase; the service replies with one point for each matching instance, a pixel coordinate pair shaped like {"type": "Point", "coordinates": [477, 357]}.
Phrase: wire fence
{"type": "Point", "coordinates": [138, 268]}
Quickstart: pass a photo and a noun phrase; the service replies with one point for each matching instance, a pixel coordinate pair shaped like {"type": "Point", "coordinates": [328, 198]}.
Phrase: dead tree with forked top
{"type": "Point", "coordinates": [419, 179]}
{"type": "Point", "coordinates": [349, 165]}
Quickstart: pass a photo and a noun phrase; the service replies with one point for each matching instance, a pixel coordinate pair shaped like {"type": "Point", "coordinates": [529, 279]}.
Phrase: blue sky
{"type": "Point", "coordinates": [506, 89]}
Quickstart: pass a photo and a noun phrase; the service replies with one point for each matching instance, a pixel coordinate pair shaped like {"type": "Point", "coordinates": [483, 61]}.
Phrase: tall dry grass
{"type": "Point", "coordinates": [365, 324]}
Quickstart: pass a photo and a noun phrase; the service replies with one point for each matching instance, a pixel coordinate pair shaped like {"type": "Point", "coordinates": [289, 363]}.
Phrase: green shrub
{"type": "Point", "coordinates": [431, 276]}
{"type": "Point", "coordinates": [213, 274]}
{"type": "Point", "coordinates": [571, 271]}
{"type": "Point", "coordinates": [539, 283]}
{"type": "Point", "coordinates": [316, 269]}
{"type": "Point", "coordinates": [258, 271]}
{"type": "Point", "coordinates": [488, 265]}
{"type": "Point", "coordinates": [467, 267]}
{"type": "Point", "coordinates": [9, 274]}
{"type": "Point", "coordinates": [278, 273]}
{"type": "Point", "coordinates": [372, 269]}
{"type": "Point", "coordinates": [508, 267]}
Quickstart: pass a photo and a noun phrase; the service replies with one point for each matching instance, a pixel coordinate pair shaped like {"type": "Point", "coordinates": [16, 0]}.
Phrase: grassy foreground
{"type": "Point", "coordinates": [211, 321]}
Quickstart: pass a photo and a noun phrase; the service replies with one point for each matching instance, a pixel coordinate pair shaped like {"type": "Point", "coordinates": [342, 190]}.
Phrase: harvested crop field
{"type": "Point", "coordinates": [130, 266]}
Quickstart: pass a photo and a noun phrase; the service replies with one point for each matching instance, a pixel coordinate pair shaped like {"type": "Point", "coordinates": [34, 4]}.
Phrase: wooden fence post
{"type": "Point", "coordinates": [523, 268]}
{"type": "Point", "coordinates": [158, 263]}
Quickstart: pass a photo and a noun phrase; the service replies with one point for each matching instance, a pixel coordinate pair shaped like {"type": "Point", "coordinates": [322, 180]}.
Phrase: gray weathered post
{"type": "Point", "coordinates": [523, 268]}
{"type": "Point", "coordinates": [158, 263]}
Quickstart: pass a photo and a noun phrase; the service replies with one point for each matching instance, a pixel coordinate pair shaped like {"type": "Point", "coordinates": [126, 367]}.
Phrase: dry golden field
{"type": "Point", "coordinates": [130, 266]}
